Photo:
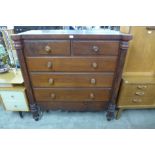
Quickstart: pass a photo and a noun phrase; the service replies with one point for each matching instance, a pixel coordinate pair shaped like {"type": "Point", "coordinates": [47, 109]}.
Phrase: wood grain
{"type": "Point", "coordinates": [128, 101]}
{"type": "Point", "coordinates": [72, 79]}
{"type": "Point", "coordinates": [74, 106]}
{"type": "Point", "coordinates": [130, 90]}
{"type": "Point", "coordinates": [72, 64]}
{"type": "Point", "coordinates": [87, 47]}
{"type": "Point", "coordinates": [71, 94]}
{"type": "Point", "coordinates": [38, 47]}
{"type": "Point", "coordinates": [140, 57]}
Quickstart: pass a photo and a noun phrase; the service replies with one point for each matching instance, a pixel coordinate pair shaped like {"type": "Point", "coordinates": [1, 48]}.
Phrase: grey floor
{"type": "Point", "coordinates": [131, 119]}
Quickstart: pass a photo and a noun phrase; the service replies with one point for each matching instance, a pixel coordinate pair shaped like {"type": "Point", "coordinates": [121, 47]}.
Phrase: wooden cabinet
{"type": "Point", "coordinates": [12, 92]}
{"type": "Point", "coordinates": [136, 92]}
{"type": "Point", "coordinates": [138, 86]}
{"type": "Point", "coordinates": [72, 70]}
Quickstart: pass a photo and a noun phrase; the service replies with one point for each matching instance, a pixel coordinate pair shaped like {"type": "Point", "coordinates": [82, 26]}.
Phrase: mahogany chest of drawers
{"type": "Point", "coordinates": [72, 70]}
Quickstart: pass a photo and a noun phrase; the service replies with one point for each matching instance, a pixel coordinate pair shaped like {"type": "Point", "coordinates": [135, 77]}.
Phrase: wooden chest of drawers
{"type": "Point", "coordinates": [72, 70]}
{"type": "Point", "coordinates": [136, 92]}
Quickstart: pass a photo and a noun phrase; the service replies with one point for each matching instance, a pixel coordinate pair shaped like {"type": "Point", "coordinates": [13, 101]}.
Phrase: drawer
{"type": "Point", "coordinates": [94, 47]}
{"type": "Point", "coordinates": [13, 96]}
{"type": "Point", "coordinates": [47, 47]}
{"type": "Point", "coordinates": [14, 101]}
{"type": "Point", "coordinates": [16, 106]}
{"type": "Point", "coordinates": [145, 90]}
{"type": "Point", "coordinates": [74, 106]}
{"type": "Point", "coordinates": [71, 94]}
{"type": "Point", "coordinates": [72, 79]}
{"type": "Point", "coordinates": [136, 101]}
{"type": "Point", "coordinates": [73, 64]}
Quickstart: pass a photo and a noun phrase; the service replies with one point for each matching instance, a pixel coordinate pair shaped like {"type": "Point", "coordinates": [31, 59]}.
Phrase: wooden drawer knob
{"type": "Point", "coordinates": [51, 81]}
{"type": "Point", "coordinates": [137, 100]}
{"type": "Point", "coordinates": [141, 86]}
{"type": "Point", "coordinates": [93, 81]}
{"type": "Point", "coordinates": [140, 93]}
{"type": "Point", "coordinates": [53, 96]}
{"type": "Point", "coordinates": [49, 64]}
{"type": "Point", "coordinates": [92, 96]}
{"type": "Point", "coordinates": [48, 49]}
{"type": "Point", "coordinates": [94, 65]}
{"type": "Point", "coordinates": [95, 48]}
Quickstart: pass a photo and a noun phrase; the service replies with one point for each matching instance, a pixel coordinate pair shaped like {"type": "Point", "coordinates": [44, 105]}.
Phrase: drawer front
{"type": "Point", "coordinates": [94, 47]}
{"type": "Point", "coordinates": [143, 90]}
{"type": "Point", "coordinates": [74, 106]}
{"type": "Point", "coordinates": [16, 106]}
{"type": "Point", "coordinates": [136, 101]}
{"type": "Point", "coordinates": [72, 64]}
{"type": "Point", "coordinates": [71, 94]}
{"type": "Point", "coordinates": [12, 96]}
{"type": "Point", "coordinates": [14, 101]}
{"type": "Point", "coordinates": [47, 47]}
{"type": "Point", "coordinates": [71, 80]}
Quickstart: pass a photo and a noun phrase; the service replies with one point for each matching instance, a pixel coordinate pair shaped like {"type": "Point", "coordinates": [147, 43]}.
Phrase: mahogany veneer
{"type": "Point", "coordinates": [72, 70]}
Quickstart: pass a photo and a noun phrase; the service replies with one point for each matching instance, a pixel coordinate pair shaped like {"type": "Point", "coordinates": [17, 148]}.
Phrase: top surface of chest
{"type": "Point", "coordinates": [72, 34]}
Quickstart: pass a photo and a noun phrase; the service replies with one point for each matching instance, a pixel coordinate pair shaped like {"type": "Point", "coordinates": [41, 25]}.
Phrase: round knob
{"type": "Point", "coordinates": [51, 81]}
{"type": "Point", "coordinates": [49, 64]}
{"type": "Point", "coordinates": [53, 96]}
{"type": "Point", "coordinates": [94, 65]}
{"type": "Point", "coordinates": [92, 96]}
{"type": "Point", "coordinates": [47, 49]}
{"type": "Point", "coordinates": [93, 81]}
{"type": "Point", "coordinates": [95, 48]}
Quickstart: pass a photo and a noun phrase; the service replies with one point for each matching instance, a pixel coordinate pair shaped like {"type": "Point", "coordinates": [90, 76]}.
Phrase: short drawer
{"type": "Point", "coordinates": [16, 106]}
{"type": "Point", "coordinates": [72, 79]}
{"type": "Point", "coordinates": [94, 47]}
{"type": "Point", "coordinates": [136, 101]}
{"type": "Point", "coordinates": [71, 94]}
{"type": "Point", "coordinates": [47, 47]}
{"type": "Point", "coordinates": [12, 96]}
{"type": "Point", "coordinates": [73, 64]}
{"type": "Point", "coordinates": [146, 90]}
{"type": "Point", "coordinates": [14, 100]}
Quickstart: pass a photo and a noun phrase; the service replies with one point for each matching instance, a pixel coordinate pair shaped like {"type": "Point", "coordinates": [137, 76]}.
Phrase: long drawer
{"type": "Point", "coordinates": [46, 47]}
{"type": "Point", "coordinates": [71, 94]}
{"type": "Point", "coordinates": [83, 64]}
{"type": "Point", "coordinates": [72, 79]}
{"type": "Point", "coordinates": [95, 47]}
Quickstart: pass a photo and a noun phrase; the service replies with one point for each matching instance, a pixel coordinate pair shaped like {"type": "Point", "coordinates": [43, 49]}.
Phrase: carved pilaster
{"type": "Point", "coordinates": [117, 80]}
{"type": "Point", "coordinates": [36, 111]}
{"type": "Point", "coordinates": [17, 44]}
{"type": "Point", "coordinates": [124, 46]}
{"type": "Point", "coordinates": [34, 108]}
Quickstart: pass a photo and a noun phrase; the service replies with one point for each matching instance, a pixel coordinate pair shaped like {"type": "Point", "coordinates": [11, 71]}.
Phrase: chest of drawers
{"type": "Point", "coordinates": [72, 70]}
{"type": "Point", "coordinates": [136, 92]}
